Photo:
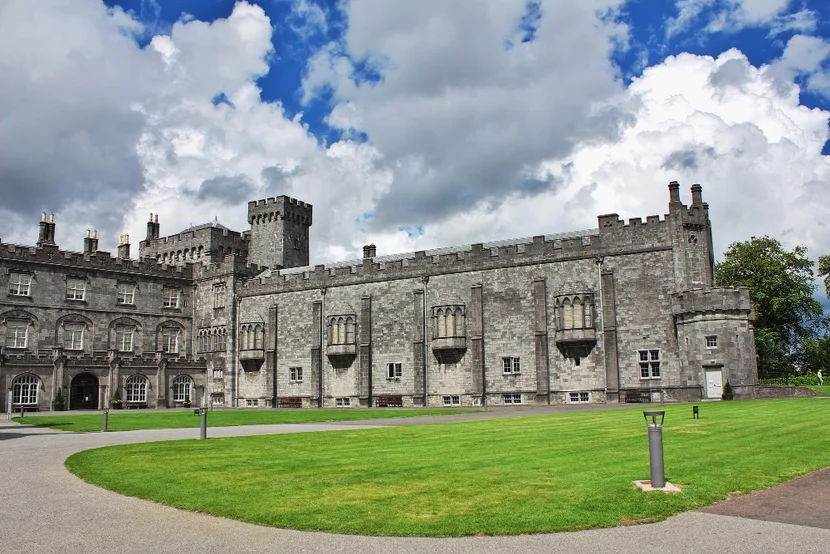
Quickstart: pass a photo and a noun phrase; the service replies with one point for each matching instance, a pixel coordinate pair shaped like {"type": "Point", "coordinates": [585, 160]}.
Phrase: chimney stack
{"type": "Point", "coordinates": [91, 242]}
{"type": "Point", "coordinates": [124, 247]}
{"type": "Point", "coordinates": [674, 192]}
{"type": "Point", "coordinates": [46, 233]}
{"type": "Point", "coordinates": [697, 195]}
{"type": "Point", "coordinates": [369, 251]}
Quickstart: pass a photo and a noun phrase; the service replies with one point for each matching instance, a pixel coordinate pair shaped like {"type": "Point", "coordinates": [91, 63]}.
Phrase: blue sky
{"type": "Point", "coordinates": [414, 125]}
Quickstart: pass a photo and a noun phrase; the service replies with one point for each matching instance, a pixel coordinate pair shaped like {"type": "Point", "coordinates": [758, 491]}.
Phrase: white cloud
{"type": "Point", "coordinates": [733, 15]}
{"type": "Point", "coordinates": [804, 56]}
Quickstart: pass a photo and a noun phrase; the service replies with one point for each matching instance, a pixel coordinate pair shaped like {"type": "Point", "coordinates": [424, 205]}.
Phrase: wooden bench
{"type": "Point", "coordinates": [389, 401]}
{"type": "Point", "coordinates": [638, 396]}
{"type": "Point", "coordinates": [290, 402]}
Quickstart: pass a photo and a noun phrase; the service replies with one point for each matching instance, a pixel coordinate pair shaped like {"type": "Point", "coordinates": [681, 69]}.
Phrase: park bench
{"type": "Point", "coordinates": [290, 402]}
{"type": "Point", "coordinates": [389, 401]}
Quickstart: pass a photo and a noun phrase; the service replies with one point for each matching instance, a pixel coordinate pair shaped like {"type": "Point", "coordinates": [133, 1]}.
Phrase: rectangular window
{"type": "Point", "coordinates": [712, 341]}
{"type": "Point", "coordinates": [16, 334]}
{"type": "Point", "coordinates": [124, 339]}
{"type": "Point", "coordinates": [73, 336]}
{"type": "Point", "coordinates": [649, 364]}
{"type": "Point", "coordinates": [581, 396]}
{"type": "Point", "coordinates": [75, 288]}
{"type": "Point", "coordinates": [219, 295]}
{"type": "Point", "coordinates": [170, 340]}
{"type": "Point", "coordinates": [20, 284]}
{"type": "Point", "coordinates": [251, 402]}
{"type": "Point", "coordinates": [218, 373]}
{"type": "Point", "coordinates": [511, 398]}
{"type": "Point", "coordinates": [171, 297]}
{"type": "Point", "coordinates": [295, 374]}
{"type": "Point", "coordinates": [343, 402]}
{"type": "Point", "coordinates": [452, 400]}
{"type": "Point", "coordinates": [510, 365]}
{"type": "Point", "coordinates": [393, 371]}
{"type": "Point", "coordinates": [126, 294]}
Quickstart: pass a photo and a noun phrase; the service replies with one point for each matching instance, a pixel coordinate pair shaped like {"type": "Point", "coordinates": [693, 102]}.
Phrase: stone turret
{"type": "Point", "coordinates": [279, 235]}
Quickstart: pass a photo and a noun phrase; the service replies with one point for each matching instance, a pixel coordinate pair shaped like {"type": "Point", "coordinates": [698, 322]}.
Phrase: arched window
{"type": "Point", "coordinates": [567, 315]}
{"type": "Point", "coordinates": [349, 330]}
{"type": "Point", "coordinates": [578, 314]}
{"type": "Point", "coordinates": [442, 323]}
{"type": "Point", "coordinates": [24, 390]}
{"type": "Point", "coordinates": [589, 318]}
{"type": "Point", "coordinates": [136, 389]}
{"type": "Point", "coordinates": [182, 387]}
{"type": "Point", "coordinates": [459, 323]}
{"type": "Point", "coordinates": [259, 336]}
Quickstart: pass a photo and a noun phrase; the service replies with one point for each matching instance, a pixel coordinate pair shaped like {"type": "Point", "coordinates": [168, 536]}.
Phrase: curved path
{"type": "Point", "coordinates": [45, 509]}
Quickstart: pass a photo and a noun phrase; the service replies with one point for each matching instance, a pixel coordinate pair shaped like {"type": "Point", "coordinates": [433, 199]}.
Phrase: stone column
{"type": "Point", "coordinates": [317, 350]}
{"type": "Point", "coordinates": [475, 327]}
{"type": "Point", "coordinates": [540, 331]}
{"type": "Point", "coordinates": [609, 324]}
{"type": "Point", "coordinates": [364, 382]}
{"type": "Point", "coordinates": [418, 345]}
{"type": "Point", "coordinates": [271, 349]}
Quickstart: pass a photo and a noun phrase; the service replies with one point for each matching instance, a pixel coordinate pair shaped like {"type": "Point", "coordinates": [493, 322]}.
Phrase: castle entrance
{"type": "Point", "coordinates": [84, 392]}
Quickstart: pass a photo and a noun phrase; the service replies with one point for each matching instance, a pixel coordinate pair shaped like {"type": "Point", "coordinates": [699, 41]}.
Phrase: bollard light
{"type": "Point", "coordinates": [106, 420]}
{"type": "Point", "coordinates": [695, 412]}
{"type": "Point", "coordinates": [654, 422]}
{"type": "Point", "coordinates": [203, 412]}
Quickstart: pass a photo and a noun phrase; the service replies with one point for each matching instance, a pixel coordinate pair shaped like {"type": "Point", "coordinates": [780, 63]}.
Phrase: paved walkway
{"type": "Point", "coordinates": [45, 509]}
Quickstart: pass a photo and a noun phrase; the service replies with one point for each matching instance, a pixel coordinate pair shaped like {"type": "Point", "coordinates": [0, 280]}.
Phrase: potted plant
{"type": "Point", "coordinates": [116, 400]}
{"type": "Point", "coordinates": [727, 391]}
{"type": "Point", "coordinates": [59, 400]}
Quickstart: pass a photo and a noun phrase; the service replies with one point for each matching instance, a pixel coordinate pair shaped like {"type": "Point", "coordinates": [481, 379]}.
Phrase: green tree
{"type": "Point", "coordinates": [781, 285]}
{"type": "Point", "coordinates": [824, 271]}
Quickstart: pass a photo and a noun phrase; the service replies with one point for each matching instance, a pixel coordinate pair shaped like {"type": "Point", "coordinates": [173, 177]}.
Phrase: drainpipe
{"type": "Point", "coordinates": [322, 341]}
{"type": "Point", "coordinates": [599, 260]}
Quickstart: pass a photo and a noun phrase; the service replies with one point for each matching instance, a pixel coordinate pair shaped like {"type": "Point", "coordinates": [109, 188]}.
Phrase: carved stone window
{"type": "Point", "coordinates": [340, 335]}
{"type": "Point", "coordinates": [449, 328]}
{"type": "Point", "coordinates": [575, 324]}
{"type": "Point", "coordinates": [251, 346]}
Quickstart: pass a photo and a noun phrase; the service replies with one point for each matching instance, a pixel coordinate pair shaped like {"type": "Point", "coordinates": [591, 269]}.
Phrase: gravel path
{"type": "Point", "coordinates": [45, 509]}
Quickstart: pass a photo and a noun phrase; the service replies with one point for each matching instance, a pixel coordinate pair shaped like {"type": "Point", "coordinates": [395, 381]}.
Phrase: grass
{"type": "Point", "coordinates": [506, 476]}
{"type": "Point", "coordinates": [821, 390]}
{"type": "Point", "coordinates": [120, 420]}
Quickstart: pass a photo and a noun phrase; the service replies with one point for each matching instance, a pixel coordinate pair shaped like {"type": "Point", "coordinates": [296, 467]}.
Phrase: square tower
{"type": "Point", "coordinates": [279, 232]}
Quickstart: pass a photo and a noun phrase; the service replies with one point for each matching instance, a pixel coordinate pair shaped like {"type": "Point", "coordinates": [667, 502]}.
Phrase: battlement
{"type": "Point", "coordinates": [712, 300]}
{"type": "Point", "coordinates": [282, 206]}
{"type": "Point", "coordinates": [95, 261]}
{"type": "Point", "coordinates": [229, 264]}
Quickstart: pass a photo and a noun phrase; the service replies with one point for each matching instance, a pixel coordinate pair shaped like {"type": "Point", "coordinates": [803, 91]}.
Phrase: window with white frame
{"type": "Point", "coordinates": [24, 390]}
{"type": "Point", "coordinates": [75, 288]}
{"type": "Point", "coordinates": [295, 374]}
{"type": "Point", "coordinates": [712, 341]}
{"type": "Point", "coordinates": [452, 400]}
{"type": "Point", "coordinates": [219, 295]}
{"type": "Point", "coordinates": [73, 336]}
{"type": "Point", "coordinates": [171, 297]}
{"type": "Point", "coordinates": [510, 365]}
{"type": "Point", "coordinates": [393, 371]}
{"type": "Point", "coordinates": [20, 284]}
{"type": "Point", "coordinates": [251, 402]}
{"type": "Point", "coordinates": [124, 335]}
{"type": "Point", "coordinates": [511, 398]}
{"type": "Point", "coordinates": [182, 387]}
{"type": "Point", "coordinates": [17, 332]}
{"type": "Point", "coordinates": [126, 294]}
{"type": "Point", "coordinates": [170, 340]}
{"type": "Point", "coordinates": [136, 389]}
{"type": "Point", "coordinates": [649, 364]}
{"type": "Point", "coordinates": [218, 372]}
{"type": "Point", "coordinates": [580, 396]}
{"type": "Point", "coordinates": [343, 402]}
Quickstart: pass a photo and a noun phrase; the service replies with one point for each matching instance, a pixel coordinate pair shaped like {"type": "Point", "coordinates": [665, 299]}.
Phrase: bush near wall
{"type": "Point", "coordinates": [809, 380]}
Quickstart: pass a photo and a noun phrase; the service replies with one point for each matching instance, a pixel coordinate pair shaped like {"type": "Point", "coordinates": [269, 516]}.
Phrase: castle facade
{"type": "Point", "coordinates": [622, 312]}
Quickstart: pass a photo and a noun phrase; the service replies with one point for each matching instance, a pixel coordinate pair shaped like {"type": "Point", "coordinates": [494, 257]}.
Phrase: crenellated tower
{"type": "Point", "coordinates": [279, 235]}
{"type": "Point", "coordinates": [691, 236]}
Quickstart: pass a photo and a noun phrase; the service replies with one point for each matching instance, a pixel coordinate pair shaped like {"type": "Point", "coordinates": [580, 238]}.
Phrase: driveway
{"type": "Point", "coordinates": [45, 509]}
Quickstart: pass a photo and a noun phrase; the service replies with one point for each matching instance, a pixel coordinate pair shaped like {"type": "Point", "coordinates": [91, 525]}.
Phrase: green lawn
{"type": "Point", "coordinates": [505, 476]}
{"type": "Point", "coordinates": [120, 420]}
{"type": "Point", "coordinates": [822, 391]}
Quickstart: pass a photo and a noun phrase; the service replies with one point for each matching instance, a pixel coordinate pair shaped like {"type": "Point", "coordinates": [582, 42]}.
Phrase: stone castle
{"type": "Point", "coordinates": [623, 312]}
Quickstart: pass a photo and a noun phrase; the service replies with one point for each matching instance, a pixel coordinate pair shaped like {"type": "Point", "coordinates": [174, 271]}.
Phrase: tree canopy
{"type": "Point", "coordinates": [781, 284]}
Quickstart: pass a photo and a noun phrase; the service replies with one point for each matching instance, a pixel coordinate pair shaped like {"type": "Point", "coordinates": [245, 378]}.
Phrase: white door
{"type": "Point", "coordinates": [714, 383]}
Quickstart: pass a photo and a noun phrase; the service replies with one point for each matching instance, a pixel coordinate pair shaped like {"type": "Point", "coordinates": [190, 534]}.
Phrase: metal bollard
{"type": "Point", "coordinates": [22, 410]}
{"type": "Point", "coordinates": [204, 423]}
{"type": "Point", "coordinates": [655, 447]}
{"type": "Point", "coordinates": [106, 420]}
{"type": "Point", "coordinates": [695, 412]}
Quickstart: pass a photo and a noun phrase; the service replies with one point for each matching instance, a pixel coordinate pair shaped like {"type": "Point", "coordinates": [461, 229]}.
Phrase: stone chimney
{"type": "Point", "coordinates": [153, 227]}
{"type": "Point", "coordinates": [124, 247]}
{"type": "Point", "coordinates": [369, 251]}
{"type": "Point", "coordinates": [697, 195]}
{"type": "Point", "coordinates": [674, 192]}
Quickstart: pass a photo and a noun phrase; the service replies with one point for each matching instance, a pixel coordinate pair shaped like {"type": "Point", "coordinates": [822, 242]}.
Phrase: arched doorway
{"type": "Point", "coordinates": [84, 391]}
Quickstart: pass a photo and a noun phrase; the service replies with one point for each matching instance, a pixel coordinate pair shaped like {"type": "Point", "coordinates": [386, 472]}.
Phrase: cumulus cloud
{"type": "Point", "coordinates": [733, 15]}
